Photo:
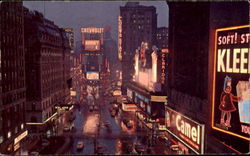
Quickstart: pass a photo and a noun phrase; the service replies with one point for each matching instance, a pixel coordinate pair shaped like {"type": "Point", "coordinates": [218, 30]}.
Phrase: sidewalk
{"type": "Point", "coordinates": [159, 149]}
{"type": "Point", "coordinates": [65, 146]}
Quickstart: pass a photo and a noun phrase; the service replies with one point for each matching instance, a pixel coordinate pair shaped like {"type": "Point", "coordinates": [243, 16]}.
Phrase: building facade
{"type": "Point", "coordinates": [12, 77]}
{"type": "Point", "coordinates": [47, 71]}
{"type": "Point", "coordinates": [92, 54]}
{"type": "Point", "coordinates": [162, 37]}
{"type": "Point", "coordinates": [67, 48]}
{"type": "Point", "coordinates": [145, 92]}
{"type": "Point", "coordinates": [70, 36]}
{"type": "Point", "coordinates": [136, 24]}
{"type": "Point", "coordinates": [192, 28]}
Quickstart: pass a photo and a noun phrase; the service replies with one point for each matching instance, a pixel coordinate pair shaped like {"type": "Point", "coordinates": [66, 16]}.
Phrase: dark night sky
{"type": "Point", "coordinates": [77, 14]}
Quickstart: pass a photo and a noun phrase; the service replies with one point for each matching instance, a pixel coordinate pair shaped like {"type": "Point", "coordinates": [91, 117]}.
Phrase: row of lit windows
{"type": "Point", "coordinates": [11, 39]}
{"type": "Point", "coordinates": [13, 97]}
{"type": "Point", "coordinates": [11, 18]}
{"type": "Point", "coordinates": [9, 133]}
{"type": "Point", "coordinates": [13, 63]}
{"type": "Point", "coordinates": [46, 104]}
{"type": "Point", "coordinates": [51, 39]}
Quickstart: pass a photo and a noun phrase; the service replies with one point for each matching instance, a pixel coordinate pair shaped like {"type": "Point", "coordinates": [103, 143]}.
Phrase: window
{"type": "Point", "coordinates": [9, 134]}
{"type": "Point", "coordinates": [16, 129]}
{"type": "Point", "coordinates": [1, 139]}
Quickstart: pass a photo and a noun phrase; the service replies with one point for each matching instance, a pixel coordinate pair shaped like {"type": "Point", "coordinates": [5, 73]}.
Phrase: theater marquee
{"type": "Point", "coordinates": [231, 82]}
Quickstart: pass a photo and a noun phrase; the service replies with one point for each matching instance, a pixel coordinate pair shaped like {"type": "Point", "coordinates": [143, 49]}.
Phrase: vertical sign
{"type": "Point", "coordinates": [231, 82]}
{"type": "Point", "coordinates": [120, 38]}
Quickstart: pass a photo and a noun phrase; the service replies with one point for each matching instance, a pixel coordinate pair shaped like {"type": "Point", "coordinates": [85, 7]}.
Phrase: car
{"type": "Point", "coordinates": [34, 153]}
{"type": "Point", "coordinates": [91, 108]}
{"type": "Point", "coordinates": [129, 148]}
{"type": "Point", "coordinates": [66, 129]}
{"type": "Point", "coordinates": [96, 108]}
{"type": "Point", "coordinates": [45, 142]}
{"type": "Point", "coordinates": [140, 149]}
{"type": "Point", "coordinates": [127, 123]}
{"type": "Point", "coordinates": [80, 145]}
{"type": "Point", "coordinates": [111, 109]}
{"type": "Point", "coordinates": [107, 123]}
{"type": "Point", "coordinates": [113, 113]}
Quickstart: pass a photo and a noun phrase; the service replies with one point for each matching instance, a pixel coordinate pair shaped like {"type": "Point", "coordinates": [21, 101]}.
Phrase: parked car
{"type": "Point", "coordinates": [34, 153]}
{"type": "Point", "coordinates": [45, 142]}
{"type": "Point", "coordinates": [80, 145]}
{"type": "Point", "coordinates": [127, 123]}
{"type": "Point", "coordinates": [140, 149]}
{"type": "Point", "coordinates": [113, 113]}
{"type": "Point", "coordinates": [129, 148]}
{"type": "Point", "coordinates": [66, 129]}
{"type": "Point", "coordinates": [91, 108]}
{"type": "Point", "coordinates": [96, 108]}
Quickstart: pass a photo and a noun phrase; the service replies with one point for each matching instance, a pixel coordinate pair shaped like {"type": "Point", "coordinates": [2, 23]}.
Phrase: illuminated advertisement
{"type": "Point", "coordinates": [163, 65]}
{"type": "Point", "coordinates": [231, 82]}
{"type": "Point", "coordinates": [186, 130]}
{"type": "Point", "coordinates": [159, 98]}
{"type": "Point", "coordinates": [129, 107]}
{"type": "Point", "coordinates": [20, 137]}
{"type": "Point", "coordinates": [92, 75]}
{"type": "Point", "coordinates": [120, 38]}
{"type": "Point", "coordinates": [92, 45]}
{"type": "Point", "coordinates": [117, 93]}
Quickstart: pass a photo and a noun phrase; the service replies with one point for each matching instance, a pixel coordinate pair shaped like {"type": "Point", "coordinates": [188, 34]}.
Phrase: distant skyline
{"type": "Point", "coordinates": [77, 14]}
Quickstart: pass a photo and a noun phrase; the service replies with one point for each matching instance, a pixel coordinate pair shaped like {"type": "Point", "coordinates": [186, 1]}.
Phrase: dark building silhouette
{"type": "Point", "coordinates": [191, 45]}
{"type": "Point", "coordinates": [162, 37]}
{"type": "Point", "coordinates": [137, 24]}
{"type": "Point", "coordinates": [12, 77]}
{"type": "Point", "coordinates": [110, 51]}
{"type": "Point", "coordinates": [47, 70]}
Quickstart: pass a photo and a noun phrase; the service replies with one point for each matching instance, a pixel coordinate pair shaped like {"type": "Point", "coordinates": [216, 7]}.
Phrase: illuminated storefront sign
{"type": "Point", "coordinates": [72, 93]}
{"type": "Point", "coordinates": [231, 82]}
{"type": "Point", "coordinates": [68, 29]}
{"type": "Point", "coordinates": [117, 93]}
{"type": "Point", "coordinates": [92, 45]}
{"type": "Point", "coordinates": [92, 75]}
{"type": "Point", "coordinates": [186, 130]}
{"type": "Point", "coordinates": [20, 137]}
{"type": "Point", "coordinates": [129, 107]}
{"type": "Point", "coordinates": [159, 98]}
{"type": "Point", "coordinates": [129, 93]}
{"type": "Point", "coordinates": [63, 107]}
{"type": "Point", "coordinates": [16, 146]}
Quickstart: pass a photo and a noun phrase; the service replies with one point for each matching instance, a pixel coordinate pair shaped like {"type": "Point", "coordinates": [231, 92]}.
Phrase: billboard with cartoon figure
{"type": "Point", "coordinates": [231, 82]}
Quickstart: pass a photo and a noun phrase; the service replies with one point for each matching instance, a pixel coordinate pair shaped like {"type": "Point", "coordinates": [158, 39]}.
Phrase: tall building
{"type": "Point", "coordinates": [136, 24]}
{"type": "Point", "coordinates": [162, 37]}
{"type": "Point", "coordinates": [70, 36]}
{"type": "Point", "coordinates": [12, 77]}
{"type": "Point", "coordinates": [192, 31]}
{"type": "Point", "coordinates": [47, 71]}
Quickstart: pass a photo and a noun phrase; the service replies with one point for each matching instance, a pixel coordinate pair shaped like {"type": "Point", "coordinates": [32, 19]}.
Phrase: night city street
{"type": "Point", "coordinates": [123, 77]}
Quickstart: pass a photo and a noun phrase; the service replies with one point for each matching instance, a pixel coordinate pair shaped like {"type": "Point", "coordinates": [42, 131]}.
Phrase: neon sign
{"type": "Point", "coordinates": [120, 38]}
{"type": "Point", "coordinates": [186, 130]}
{"type": "Point", "coordinates": [231, 82]}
